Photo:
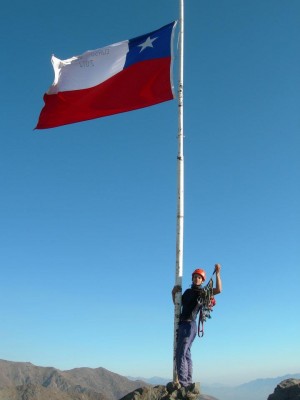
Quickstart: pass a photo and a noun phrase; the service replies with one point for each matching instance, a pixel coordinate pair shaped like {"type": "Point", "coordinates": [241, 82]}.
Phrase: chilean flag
{"type": "Point", "coordinates": [121, 77]}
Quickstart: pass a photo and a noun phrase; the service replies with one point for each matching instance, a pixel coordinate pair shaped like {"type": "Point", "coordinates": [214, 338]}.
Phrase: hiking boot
{"type": "Point", "coordinates": [172, 386]}
{"type": "Point", "coordinates": [193, 388]}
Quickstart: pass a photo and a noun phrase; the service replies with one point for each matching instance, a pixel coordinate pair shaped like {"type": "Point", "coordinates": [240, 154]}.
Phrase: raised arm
{"type": "Point", "coordinates": [218, 288]}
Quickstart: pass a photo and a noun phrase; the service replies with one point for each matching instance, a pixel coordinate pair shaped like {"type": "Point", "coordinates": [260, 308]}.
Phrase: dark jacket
{"type": "Point", "coordinates": [190, 303]}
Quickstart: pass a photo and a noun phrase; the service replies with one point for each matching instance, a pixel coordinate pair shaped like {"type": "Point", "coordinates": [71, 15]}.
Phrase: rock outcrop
{"type": "Point", "coordinates": [288, 389]}
{"type": "Point", "coordinates": [169, 392]}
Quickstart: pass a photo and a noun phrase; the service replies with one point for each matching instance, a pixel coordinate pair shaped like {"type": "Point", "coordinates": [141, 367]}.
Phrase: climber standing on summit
{"type": "Point", "coordinates": [187, 328]}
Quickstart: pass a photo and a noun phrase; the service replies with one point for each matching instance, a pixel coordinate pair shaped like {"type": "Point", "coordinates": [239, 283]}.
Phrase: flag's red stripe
{"type": "Point", "coordinates": [141, 85]}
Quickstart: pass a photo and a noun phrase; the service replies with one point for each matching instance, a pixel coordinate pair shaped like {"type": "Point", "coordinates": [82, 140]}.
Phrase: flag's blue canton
{"type": "Point", "coordinates": [161, 46]}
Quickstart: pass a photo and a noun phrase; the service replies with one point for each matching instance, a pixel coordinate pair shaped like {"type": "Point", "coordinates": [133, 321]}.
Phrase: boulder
{"type": "Point", "coordinates": [288, 389]}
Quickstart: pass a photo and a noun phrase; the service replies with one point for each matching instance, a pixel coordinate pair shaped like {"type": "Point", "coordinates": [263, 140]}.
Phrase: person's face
{"type": "Point", "coordinates": [197, 279]}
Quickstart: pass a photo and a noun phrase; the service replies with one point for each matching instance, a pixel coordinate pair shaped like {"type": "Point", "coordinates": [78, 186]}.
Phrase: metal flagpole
{"type": "Point", "coordinates": [180, 187]}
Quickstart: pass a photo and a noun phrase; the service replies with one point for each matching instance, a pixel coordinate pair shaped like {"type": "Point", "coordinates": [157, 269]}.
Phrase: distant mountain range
{"type": "Point", "coordinates": [23, 380]}
{"type": "Point", "coordinates": [258, 389]}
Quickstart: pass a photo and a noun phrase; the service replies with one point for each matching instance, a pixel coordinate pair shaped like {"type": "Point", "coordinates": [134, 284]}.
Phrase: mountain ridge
{"type": "Point", "coordinates": [96, 384]}
{"type": "Point", "coordinates": [258, 389]}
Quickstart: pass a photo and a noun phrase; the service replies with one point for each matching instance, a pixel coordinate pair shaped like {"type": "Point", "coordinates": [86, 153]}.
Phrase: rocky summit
{"type": "Point", "coordinates": [169, 392]}
{"type": "Point", "coordinates": [288, 389]}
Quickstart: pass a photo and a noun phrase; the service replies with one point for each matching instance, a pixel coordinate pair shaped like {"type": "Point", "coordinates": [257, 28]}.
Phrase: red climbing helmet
{"type": "Point", "coordinates": [200, 272]}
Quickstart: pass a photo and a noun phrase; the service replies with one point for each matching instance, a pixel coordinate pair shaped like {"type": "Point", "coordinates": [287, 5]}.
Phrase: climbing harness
{"type": "Point", "coordinates": [206, 302]}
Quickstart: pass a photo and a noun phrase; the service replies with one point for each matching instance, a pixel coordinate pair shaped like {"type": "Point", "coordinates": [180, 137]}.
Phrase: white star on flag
{"type": "Point", "coordinates": [147, 43]}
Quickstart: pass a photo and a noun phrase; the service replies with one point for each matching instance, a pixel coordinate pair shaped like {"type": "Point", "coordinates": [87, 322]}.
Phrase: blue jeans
{"type": "Point", "coordinates": [187, 331]}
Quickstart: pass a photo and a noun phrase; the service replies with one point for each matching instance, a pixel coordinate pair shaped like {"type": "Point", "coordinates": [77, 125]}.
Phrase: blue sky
{"type": "Point", "coordinates": [88, 211]}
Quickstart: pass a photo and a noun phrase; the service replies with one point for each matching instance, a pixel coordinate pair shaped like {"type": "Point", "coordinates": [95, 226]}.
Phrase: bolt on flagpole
{"type": "Point", "coordinates": [180, 187]}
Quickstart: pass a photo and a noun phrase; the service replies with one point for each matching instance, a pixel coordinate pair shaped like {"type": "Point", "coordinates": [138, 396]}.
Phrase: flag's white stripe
{"type": "Point", "coordinates": [89, 69]}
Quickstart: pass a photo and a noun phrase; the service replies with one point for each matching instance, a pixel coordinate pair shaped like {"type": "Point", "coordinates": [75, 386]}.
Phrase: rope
{"type": "Point", "coordinates": [206, 301]}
